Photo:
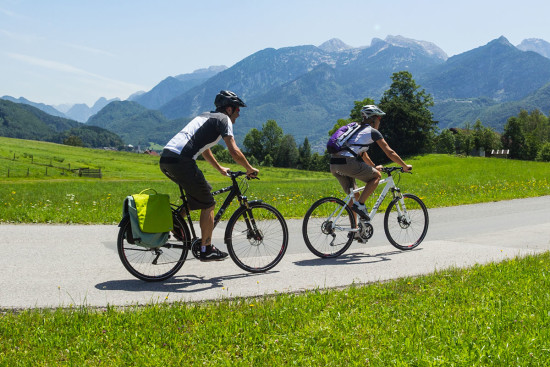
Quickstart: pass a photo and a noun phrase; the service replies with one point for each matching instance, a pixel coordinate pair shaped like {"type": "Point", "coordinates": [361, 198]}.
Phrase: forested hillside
{"type": "Point", "coordinates": [26, 122]}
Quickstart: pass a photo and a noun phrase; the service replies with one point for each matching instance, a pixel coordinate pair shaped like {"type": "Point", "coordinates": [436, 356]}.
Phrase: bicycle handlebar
{"type": "Point", "coordinates": [235, 174]}
{"type": "Point", "coordinates": [389, 170]}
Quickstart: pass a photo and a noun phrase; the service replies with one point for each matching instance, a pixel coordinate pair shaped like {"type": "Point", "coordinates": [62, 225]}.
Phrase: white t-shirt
{"type": "Point", "coordinates": [360, 141]}
{"type": "Point", "coordinates": [201, 133]}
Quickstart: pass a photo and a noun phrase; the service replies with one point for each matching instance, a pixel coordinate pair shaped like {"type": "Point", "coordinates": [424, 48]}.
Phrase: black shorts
{"type": "Point", "coordinates": [185, 172]}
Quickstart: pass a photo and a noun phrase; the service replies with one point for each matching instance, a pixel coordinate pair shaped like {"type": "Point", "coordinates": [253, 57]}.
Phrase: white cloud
{"type": "Point", "coordinates": [19, 36]}
{"type": "Point", "coordinates": [90, 50]}
{"type": "Point", "coordinates": [8, 13]}
{"type": "Point", "coordinates": [69, 69]}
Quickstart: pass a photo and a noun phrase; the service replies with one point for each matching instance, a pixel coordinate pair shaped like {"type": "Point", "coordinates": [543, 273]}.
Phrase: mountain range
{"type": "Point", "coordinates": [307, 88]}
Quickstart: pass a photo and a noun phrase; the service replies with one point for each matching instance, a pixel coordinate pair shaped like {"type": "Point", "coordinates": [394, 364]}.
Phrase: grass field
{"type": "Point", "coordinates": [491, 315]}
{"type": "Point", "coordinates": [440, 180]}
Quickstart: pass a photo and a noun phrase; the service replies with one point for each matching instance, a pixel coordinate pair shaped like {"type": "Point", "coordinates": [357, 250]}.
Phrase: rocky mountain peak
{"type": "Point", "coordinates": [536, 45]}
{"type": "Point", "coordinates": [334, 45]}
{"type": "Point", "coordinates": [428, 47]}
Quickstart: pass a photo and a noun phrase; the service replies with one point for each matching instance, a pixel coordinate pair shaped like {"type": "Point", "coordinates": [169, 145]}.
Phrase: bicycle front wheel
{"type": "Point", "coordinates": [406, 222]}
{"type": "Point", "coordinates": [153, 264]}
{"type": "Point", "coordinates": [257, 237]}
{"type": "Point", "coordinates": [326, 227]}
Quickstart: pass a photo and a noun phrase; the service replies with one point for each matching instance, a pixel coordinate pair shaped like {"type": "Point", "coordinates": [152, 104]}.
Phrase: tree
{"type": "Point", "coordinates": [287, 155]}
{"type": "Point", "coordinates": [260, 143]}
{"type": "Point", "coordinates": [73, 140]}
{"type": "Point", "coordinates": [268, 161]}
{"type": "Point", "coordinates": [320, 162]}
{"type": "Point", "coordinates": [544, 153]}
{"type": "Point", "coordinates": [525, 134]}
{"type": "Point", "coordinates": [304, 161]}
{"type": "Point", "coordinates": [408, 126]}
{"type": "Point", "coordinates": [484, 138]}
{"type": "Point", "coordinates": [252, 144]}
{"type": "Point", "coordinates": [272, 134]}
{"type": "Point", "coordinates": [445, 143]}
{"type": "Point", "coordinates": [513, 138]}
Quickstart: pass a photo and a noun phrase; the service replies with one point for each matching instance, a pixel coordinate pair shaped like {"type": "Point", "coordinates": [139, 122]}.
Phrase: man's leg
{"type": "Point", "coordinates": [207, 226]}
{"type": "Point", "coordinates": [208, 251]}
{"type": "Point", "coordinates": [369, 188]}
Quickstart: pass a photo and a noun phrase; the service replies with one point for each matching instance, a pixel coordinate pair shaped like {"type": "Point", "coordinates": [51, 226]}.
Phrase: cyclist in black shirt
{"type": "Point", "coordinates": [178, 162]}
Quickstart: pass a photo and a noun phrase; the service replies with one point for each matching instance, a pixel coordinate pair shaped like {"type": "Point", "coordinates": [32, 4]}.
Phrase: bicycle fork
{"type": "Point", "coordinates": [253, 233]}
{"type": "Point", "coordinates": [402, 214]}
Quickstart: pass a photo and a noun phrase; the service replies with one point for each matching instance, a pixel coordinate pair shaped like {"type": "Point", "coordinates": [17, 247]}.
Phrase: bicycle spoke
{"type": "Point", "coordinates": [326, 227]}
{"type": "Point", "coordinates": [259, 246]}
{"type": "Point", "coordinates": [406, 222]}
{"type": "Point", "coordinates": [150, 264]}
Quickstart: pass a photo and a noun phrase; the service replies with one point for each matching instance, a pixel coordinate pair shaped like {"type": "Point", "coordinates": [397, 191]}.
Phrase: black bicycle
{"type": "Point", "coordinates": [256, 237]}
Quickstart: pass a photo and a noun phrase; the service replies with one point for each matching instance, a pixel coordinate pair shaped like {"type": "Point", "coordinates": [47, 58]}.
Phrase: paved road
{"type": "Point", "coordinates": [55, 265]}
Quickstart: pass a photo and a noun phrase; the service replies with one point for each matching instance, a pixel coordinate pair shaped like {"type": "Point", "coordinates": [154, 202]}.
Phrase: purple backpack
{"type": "Point", "coordinates": [339, 138]}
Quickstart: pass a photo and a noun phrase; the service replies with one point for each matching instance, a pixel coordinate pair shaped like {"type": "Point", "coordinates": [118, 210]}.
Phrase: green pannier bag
{"type": "Point", "coordinates": [153, 212]}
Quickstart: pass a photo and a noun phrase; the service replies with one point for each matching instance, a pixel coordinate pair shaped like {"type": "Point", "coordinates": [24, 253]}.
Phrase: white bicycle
{"type": "Point", "coordinates": [329, 226]}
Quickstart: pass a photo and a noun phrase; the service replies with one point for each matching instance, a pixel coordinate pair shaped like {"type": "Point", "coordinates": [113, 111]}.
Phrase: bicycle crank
{"type": "Point", "coordinates": [365, 231]}
{"type": "Point", "coordinates": [196, 248]}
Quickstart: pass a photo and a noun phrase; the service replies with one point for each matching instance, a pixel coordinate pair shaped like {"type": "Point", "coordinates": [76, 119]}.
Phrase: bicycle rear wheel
{"type": "Point", "coordinates": [153, 264]}
{"type": "Point", "coordinates": [325, 234]}
{"type": "Point", "coordinates": [406, 222]}
{"type": "Point", "coordinates": [256, 238]}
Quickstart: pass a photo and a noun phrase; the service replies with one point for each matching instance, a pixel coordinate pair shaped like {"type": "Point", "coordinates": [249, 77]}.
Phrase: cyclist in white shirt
{"type": "Point", "coordinates": [354, 162]}
{"type": "Point", "coordinates": [178, 162]}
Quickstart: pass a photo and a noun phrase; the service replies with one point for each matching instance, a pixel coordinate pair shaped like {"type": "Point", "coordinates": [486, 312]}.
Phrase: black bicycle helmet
{"type": "Point", "coordinates": [228, 98]}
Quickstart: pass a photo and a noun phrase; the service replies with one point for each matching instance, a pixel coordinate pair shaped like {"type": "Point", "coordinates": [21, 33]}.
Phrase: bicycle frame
{"type": "Point", "coordinates": [389, 185]}
{"type": "Point", "coordinates": [234, 192]}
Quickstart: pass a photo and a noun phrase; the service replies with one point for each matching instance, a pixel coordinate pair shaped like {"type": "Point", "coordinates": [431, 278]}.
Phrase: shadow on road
{"type": "Point", "coordinates": [353, 258]}
{"type": "Point", "coordinates": [178, 284]}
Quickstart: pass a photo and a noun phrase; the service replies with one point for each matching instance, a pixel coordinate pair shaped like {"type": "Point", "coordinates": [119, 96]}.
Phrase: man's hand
{"type": "Point", "coordinates": [379, 167]}
{"type": "Point", "coordinates": [252, 172]}
{"type": "Point", "coordinates": [407, 168]}
{"type": "Point", "coordinates": [224, 171]}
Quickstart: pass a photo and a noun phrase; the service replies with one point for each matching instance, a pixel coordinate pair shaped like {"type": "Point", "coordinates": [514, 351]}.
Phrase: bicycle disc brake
{"type": "Point", "coordinates": [403, 222]}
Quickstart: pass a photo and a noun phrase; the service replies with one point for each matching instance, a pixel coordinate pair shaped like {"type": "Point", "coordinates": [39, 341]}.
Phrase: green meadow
{"type": "Point", "coordinates": [43, 186]}
{"type": "Point", "coordinates": [486, 315]}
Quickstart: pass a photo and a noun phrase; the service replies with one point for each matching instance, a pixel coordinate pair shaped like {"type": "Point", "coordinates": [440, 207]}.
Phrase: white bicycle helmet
{"type": "Point", "coordinates": [371, 110]}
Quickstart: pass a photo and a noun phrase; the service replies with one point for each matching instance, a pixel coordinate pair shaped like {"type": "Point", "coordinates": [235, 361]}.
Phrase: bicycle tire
{"type": "Point", "coordinates": [320, 238]}
{"type": "Point", "coordinates": [403, 233]}
{"type": "Point", "coordinates": [257, 255]}
{"type": "Point", "coordinates": [138, 260]}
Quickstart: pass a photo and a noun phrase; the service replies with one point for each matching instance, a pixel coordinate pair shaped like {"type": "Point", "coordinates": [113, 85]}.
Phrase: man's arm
{"type": "Point", "coordinates": [209, 157]}
{"type": "Point", "coordinates": [392, 154]}
{"type": "Point", "coordinates": [367, 160]}
{"type": "Point", "coordinates": [238, 156]}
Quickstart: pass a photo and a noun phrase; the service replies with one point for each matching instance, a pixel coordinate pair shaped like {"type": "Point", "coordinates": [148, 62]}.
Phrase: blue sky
{"type": "Point", "coordinates": [76, 51]}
